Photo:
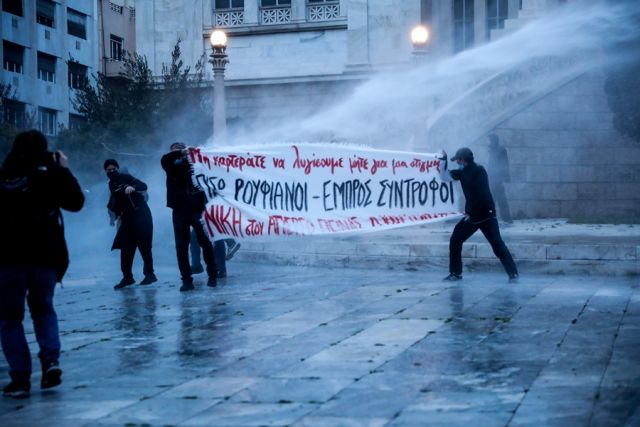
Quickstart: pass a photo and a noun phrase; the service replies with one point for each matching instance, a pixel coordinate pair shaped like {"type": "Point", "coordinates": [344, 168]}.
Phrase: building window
{"type": "Point", "coordinates": [78, 75]}
{"type": "Point", "coordinates": [76, 121]}
{"type": "Point", "coordinates": [323, 10]}
{"type": "Point", "coordinates": [13, 57]}
{"type": "Point", "coordinates": [463, 36]}
{"type": "Point", "coordinates": [497, 13]}
{"type": "Point", "coordinates": [275, 11]}
{"type": "Point", "coordinates": [228, 13]}
{"type": "Point", "coordinates": [45, 13]}
{"type": "Point", "coordinates": [229, 4]}
{"type": "Point", "coordinates": [116, 48]}
{"type": "Point", "coordinates": [115, 8]}
{"type": "Point", "coordinates": [14, 113]}
{"type": "Point", "coordinates": [47, 121]}
{"type": "Point", "coordinates": [13, 7]}
{"type": "Point", "coordinates": [46, 67]}
{"type": "Point", "coordinates": [77, 24]}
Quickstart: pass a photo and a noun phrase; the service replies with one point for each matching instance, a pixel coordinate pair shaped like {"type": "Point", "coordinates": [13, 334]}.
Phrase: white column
{"type": "Point", "coordinates": [358, 33]}
{"type": "Point", "coordinates": [251, 12]}
{"type": "Point", "coordinates": [480, 24]}
{"type": "Point", "coordinates": [298, 10]}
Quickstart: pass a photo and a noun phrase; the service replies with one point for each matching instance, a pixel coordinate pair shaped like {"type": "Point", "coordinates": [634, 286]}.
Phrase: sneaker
{"type": "Point", "coordinates": [149, 279]}
{"type": "Point", "coordinates": [197, 269]}
{"type": "Point", "coordinates": [124, 283]}
{"type": "Point", "coordinates": [187, 285]}
{"type": "Point", "coordinates": [51, 375]}
{"type": "Point", "coordinates": [513, 278]}
{"type": "Point", "coordinates": [17, 389]}
{"type": "Point", "coordinates": [212, 282]}
{"type": "Point", "coordinates": [231, 251]}
{"type": "Point", "coordinates": [221, 274]}
{"type": "Point", "coordinates": [452, 277]}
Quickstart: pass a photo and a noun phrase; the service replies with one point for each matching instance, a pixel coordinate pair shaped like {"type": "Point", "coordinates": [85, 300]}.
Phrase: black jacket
{"type": "Point", "coordinates": [182, 194]}
{"type": "Point", "coordinates": [475, 186]}
{"type": "Point", "coordinates": [136, 223]}
{"type": "Point", "coordinates": [31, 223]}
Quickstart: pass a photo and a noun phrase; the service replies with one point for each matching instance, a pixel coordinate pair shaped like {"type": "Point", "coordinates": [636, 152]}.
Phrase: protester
{"type": "Point", "coordinates": [223, 250]}
{"type": "Point", "coordinates": [498, 169]}
{"type": "Point", "coordinates": [480, 213]}
{"type": "Point", "coordinates": [188, 203]}
{"type": "Point", "coordinates": [136, 224]}
{"type": "Point", "coordinates": [34, 185]}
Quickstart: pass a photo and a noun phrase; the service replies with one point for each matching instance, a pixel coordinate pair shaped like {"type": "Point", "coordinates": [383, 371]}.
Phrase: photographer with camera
{"type": "Point", "coordinates": [34, 185]}
{"type": "Point", "coordinates": [188, 203]}
{"type": "Point", "coordinates": [136, 224]}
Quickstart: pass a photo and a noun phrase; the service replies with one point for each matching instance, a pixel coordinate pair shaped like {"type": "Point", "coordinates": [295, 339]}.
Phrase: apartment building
{"type": "Point", "coordinates": [49, 50]}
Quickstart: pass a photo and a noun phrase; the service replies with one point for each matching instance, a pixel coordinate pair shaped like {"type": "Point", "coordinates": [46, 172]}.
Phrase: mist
{"type": "Point", "coordinates": [440, 103]}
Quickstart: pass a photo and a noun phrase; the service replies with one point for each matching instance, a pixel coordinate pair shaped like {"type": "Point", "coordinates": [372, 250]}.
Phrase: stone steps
{"type": "Point", "coordinates": [584, 250]}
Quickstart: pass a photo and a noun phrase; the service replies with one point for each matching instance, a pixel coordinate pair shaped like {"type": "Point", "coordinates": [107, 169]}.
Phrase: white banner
{"type": "Point", "coordinates": [308, 189]}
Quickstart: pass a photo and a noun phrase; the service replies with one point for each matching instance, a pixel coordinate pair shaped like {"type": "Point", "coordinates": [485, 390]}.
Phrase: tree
{"type": "Point", "coordinates": [136, 117]}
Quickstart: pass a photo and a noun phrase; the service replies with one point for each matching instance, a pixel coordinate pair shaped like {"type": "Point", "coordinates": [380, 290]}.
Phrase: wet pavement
{"type": "Point", "coordinates": [300, 346]}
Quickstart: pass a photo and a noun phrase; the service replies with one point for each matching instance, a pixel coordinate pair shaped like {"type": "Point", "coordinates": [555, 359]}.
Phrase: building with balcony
{"type": "Point", "coordinates": [117, 34]}
{"type": "Point", "coordinates": [49, 49]}
{"type": "Point", "coordinates": [289, 59]}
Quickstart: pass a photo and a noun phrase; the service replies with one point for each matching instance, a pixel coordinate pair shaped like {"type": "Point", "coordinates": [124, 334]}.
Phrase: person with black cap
{"type": "Point", "coordinates": [480, 213]}
{"type": "Point", "coordinates": [188, 203]}
{"type": "Point", "coordinates": [34, 185]}
{"type": "Point", "coordinates": [129, 205]}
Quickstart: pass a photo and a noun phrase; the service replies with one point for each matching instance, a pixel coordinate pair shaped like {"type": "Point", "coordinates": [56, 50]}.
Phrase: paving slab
{"type": "Point", "coordinates": [307, 346]}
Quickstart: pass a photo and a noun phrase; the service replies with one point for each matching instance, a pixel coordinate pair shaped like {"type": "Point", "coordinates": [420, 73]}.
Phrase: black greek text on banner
{"type": "Point", "coordinates": [275, 191]}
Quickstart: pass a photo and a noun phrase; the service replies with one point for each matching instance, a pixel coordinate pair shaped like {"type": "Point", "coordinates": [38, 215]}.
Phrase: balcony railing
{"type": "Point", "coordinates": [275, 15]}
{"type": "Point", "coordinates": [323, 12]}
{"type": "Point", "coordinates": [229, 17]}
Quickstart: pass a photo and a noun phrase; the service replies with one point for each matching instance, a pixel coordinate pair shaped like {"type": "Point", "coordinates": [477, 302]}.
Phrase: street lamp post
{"type": "Point", "coordinates": [219, 60]}
{"type": "Point", "coordinates": [420, 39]}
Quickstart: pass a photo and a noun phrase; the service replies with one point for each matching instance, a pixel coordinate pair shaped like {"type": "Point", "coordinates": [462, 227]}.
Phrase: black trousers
{"type": "Point", "coordinates": [489, 227]}
{"type": "Point", "coordinates": [128, 252]}
{"type": "Point", "coordinates": [183, 222]}
{"type": "Point", "coordinates": [219, 251]}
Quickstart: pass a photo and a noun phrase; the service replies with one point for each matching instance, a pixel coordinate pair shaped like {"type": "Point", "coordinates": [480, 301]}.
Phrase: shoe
{"type": "Point", "coordinates": [452, 277]}
{"type": "Point", "coordinates": [187, 285]}
{"type": "Point", "coordinates": [221, 274]}
{"type": "Point", "coordinates": [197, 269]}
{"type": "Point", "coordinates": [231, 251]}
{"type": "Point", "coordinates": [17, 389]}
{"type": "Point", "coordinates": [513, 278]}
{"type": "Point", "coordinates": [51, 375]}
{"type": "Point", "coordinates": [124, 283]}
{"type": "Point", "coordinates": [149, 279]}
{"type": "Point", "coordinates": [212, 282]}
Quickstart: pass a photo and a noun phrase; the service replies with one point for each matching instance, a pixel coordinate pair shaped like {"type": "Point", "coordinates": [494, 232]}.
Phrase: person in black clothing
{"type": "Point", "coordinates": [498, 168]}
{"type": "Point", "coordinates": [480, 214]}
{"type": "Point", "coordinates": [34, 185]}
{"type": "Point", "coordinates": [128, 204]}
{"type": "Point", "coordinates": [188, 203]}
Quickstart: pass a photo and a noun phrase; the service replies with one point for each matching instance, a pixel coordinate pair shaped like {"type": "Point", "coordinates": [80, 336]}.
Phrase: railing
{"type": "Point", "coordinates": [228, 17]}
{"type": "Point", "coordinates": [323, 12]}
{"type": "Point", "coordinates": [275, 15]}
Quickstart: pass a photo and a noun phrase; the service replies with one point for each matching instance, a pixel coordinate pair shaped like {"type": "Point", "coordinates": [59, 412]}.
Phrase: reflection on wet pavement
{"type": "Point", "coordinates": [315, 347]}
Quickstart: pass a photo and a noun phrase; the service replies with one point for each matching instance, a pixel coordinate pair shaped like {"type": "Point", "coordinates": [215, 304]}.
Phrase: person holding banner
{"type": "Point", "coordinates": [188, 203]}
{"type": "Point", "coordinates": [480, 214]}
{"type": "Point", "coordinates": [136, 224]}
{"type": "Point", "coordinates": [34, 185]}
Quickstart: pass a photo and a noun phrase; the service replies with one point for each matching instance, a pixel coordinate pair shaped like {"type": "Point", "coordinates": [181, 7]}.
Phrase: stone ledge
{"type": "Point", "coordinates": [607, 259]}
